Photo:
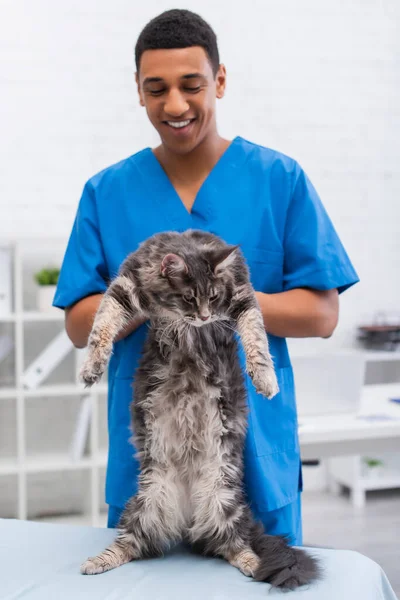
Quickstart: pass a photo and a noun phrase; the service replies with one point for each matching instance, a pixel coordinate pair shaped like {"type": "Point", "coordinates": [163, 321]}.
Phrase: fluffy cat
{"type": "Point", "coordinates": [189, 412]}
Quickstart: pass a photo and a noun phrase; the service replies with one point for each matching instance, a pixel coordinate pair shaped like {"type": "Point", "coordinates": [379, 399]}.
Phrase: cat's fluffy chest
{"type": "Point", "coordinates": [184, 406]}
{"type": "Point", "coordinates": [185, 419]}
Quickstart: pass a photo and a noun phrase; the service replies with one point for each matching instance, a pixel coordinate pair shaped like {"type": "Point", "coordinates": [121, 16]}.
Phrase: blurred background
{"type": "Point", "coordinates": [319, 81]}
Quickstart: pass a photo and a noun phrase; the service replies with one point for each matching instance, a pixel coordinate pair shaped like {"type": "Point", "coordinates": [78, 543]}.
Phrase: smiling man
{"type": "Point", "coordinates": [245, 193]}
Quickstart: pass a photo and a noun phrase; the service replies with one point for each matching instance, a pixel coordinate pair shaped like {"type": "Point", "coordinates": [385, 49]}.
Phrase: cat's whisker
{"type": "Point", "coordinates": [225, 318]}
{"type": "Point", "coordinates": [186, 328]}
{"type": "Point", "coordinates": [219, 326]}
{"type": "Point", "coordinates": [166, 331]}
{"type": "Point", "coordinates": [225, 324]}
{"type": "Point", "coordinates": [179, 327]}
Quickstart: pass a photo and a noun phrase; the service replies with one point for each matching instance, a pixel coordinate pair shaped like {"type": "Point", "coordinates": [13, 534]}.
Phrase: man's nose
{"type": "Point", "coordinates": [175, 105]}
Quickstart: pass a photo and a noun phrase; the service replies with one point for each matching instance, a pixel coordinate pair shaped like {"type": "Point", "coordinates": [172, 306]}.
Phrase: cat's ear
{"type": "Point", "coordinates": [173, 265]}
{"type": "Point", "coordinates": [223, 259]}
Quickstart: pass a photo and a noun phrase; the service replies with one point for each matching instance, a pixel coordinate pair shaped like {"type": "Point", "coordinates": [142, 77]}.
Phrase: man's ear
{"type": "Point", "coordinates": [141, 100]}
{"type": "Point", "coordinates": [220, 80]}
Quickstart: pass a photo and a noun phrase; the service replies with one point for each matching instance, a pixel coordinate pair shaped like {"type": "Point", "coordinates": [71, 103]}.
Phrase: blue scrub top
{"type": "Point", "coordinates": [255, 197]}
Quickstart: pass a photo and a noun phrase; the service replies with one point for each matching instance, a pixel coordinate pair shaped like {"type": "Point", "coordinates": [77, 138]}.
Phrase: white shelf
{"type": "Point", "coordinates": [49, 462]}
{"type": "Point", "coordinates": [68, 389]}
{"type": "Point", "coordinates": [386, 481]}
{"type": "Point", "coordinates": [349, 473]}
{"type": "Point", "coordinates": [7, 392]}
{"type": "Point", "coordinates": [31, 316]}
{"type": "Point", "coordinates": [46, 391]}
{"type": "Point", "coordinates": [8, 466]}
{"type": "Point", "coordinates": [42, 463]}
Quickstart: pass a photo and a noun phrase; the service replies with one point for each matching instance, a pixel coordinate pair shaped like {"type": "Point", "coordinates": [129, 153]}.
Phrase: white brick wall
{"type": "Point", "coordinates": [316, 80]}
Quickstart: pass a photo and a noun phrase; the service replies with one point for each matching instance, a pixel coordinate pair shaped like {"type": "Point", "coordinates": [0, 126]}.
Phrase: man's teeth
{"type": "Point", "coordinates": [178, 125]}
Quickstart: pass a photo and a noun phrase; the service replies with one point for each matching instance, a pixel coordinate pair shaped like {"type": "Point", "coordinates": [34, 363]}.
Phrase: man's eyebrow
{"type": "Point", "coordinates": [194, 76]}
{"type": "Point", "coordinates": [186, 77]}
{"type": "Point", "coordinates": [152, 80]}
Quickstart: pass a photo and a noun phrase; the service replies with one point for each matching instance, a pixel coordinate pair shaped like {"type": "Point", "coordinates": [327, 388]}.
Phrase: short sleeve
{"type": "Point", "coordinates": [83, 271]}
{"type": "Point", "coordinates": [314, 256]}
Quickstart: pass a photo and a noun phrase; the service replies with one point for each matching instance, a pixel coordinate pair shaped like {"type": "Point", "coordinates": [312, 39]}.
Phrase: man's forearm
{"type": "Point", "coordinates": [79, 320]}
{"type": "Point", "coordinates": [300, 312]}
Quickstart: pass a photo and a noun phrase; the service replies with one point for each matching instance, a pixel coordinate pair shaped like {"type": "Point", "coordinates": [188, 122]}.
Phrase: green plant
{"type": "Point", "coordinates": [47, 276]}
{"type": "Point", "coordinates": [373, 462]}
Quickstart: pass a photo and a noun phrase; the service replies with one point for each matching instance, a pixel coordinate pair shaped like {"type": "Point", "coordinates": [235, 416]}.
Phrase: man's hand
{"type": "Point", "coordinates": [300, 312]}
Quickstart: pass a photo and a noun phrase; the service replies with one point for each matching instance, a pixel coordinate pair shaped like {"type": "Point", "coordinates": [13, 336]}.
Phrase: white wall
{"type": "Point", "coordinates": [316, 80]}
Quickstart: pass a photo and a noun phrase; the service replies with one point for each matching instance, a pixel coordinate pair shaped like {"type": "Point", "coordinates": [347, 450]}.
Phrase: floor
{"type": "Point", "coordinates": [331, 522]}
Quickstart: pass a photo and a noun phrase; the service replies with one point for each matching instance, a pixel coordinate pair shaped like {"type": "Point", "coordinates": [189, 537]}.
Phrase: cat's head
{"type": "Point", "coordinates": [197, 287]}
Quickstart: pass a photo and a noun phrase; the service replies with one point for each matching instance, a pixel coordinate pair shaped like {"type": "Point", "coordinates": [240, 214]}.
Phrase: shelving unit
{"type": "Point", "coordinates": [28, 463]}
{"type": "Point", "coordinates": [334, 388]}
{"type": "Point", "coordinates": [349, 471]}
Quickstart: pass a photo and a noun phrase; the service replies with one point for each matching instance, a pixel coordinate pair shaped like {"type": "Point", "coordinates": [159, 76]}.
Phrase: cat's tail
{"type": "Point", "coordinates": [282, 565]}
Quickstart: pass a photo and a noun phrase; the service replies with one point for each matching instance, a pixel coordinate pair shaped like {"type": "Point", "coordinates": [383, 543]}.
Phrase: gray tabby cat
{"type": "Point", "coordinates": [189, 413]}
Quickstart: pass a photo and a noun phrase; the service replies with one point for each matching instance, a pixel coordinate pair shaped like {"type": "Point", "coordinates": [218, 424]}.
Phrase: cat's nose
{"type": "Point", "coordinates": [204, 317]}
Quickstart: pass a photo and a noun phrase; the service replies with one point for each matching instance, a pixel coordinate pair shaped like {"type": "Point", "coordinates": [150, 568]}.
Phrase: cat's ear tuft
{"type": "Point", "coordinates": [223, 259]}
{"type": "Point", "coordinates": [173, 265]}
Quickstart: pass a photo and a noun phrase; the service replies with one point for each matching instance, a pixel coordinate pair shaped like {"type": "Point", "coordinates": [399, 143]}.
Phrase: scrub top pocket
{"type": "Point", "coordinates": [273, 423]}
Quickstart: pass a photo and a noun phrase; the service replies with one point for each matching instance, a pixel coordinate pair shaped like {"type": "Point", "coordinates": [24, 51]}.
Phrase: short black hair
{"type": "Point", "coordinates": [178, 28]}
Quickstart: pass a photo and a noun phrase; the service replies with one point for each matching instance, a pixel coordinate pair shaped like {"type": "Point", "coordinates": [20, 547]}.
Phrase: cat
{"type": "Point", "coordinates": [189, 414]}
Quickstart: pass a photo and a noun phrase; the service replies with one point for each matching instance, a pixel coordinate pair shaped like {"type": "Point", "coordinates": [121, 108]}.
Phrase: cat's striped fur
{"type": "Point", "coordinates": [189, 410]}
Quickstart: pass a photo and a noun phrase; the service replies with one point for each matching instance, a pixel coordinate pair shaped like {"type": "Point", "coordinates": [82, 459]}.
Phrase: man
{"type": "Point", "coordinates": [247, 194]}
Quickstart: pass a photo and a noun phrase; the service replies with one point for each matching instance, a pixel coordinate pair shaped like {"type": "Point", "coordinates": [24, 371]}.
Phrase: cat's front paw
{"type": "Point", "coordinates": [93, 367]}
{"type": "Point", "coordinates": [264, 380]}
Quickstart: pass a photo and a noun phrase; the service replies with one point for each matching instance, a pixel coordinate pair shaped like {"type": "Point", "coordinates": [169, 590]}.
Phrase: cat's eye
{"type": "Point", "coordinates": [213, 298]}
{"type": "Point", "coordinates": [187, 297]}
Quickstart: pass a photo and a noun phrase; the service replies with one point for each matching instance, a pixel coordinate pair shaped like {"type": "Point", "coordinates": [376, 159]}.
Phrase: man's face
{"type": "Point", "coordinates": [179, 91]}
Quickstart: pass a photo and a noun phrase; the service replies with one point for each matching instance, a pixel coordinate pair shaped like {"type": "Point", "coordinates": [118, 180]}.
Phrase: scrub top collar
{"type": "Point", "coordinates": [206, 203]}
